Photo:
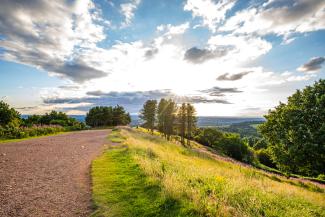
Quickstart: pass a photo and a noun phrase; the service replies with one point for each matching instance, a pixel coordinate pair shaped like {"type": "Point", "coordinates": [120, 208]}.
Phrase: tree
{"type": "Point", "coordinates": [148, 114]}
{"type": "Point", "coordinates": [295, 132]}
{"type": "Point", "coordinates": [120, 116]}
{"type": "Point", "coordinates": [161, 115]}
{"type": "Point", "coordinates": [8, 116]}
{"type": "Point", "coordinates": [191, 121]}
{"type": "Point", "coordinates": [170, 117]}
{"type": "Point", "coordinates": [107, 116]}
{"type": "Point", "coordinates": [182, 121]}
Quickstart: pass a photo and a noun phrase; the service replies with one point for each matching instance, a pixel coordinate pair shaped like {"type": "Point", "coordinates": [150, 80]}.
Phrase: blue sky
{"type": "Point", "coordinates": [227, 57]}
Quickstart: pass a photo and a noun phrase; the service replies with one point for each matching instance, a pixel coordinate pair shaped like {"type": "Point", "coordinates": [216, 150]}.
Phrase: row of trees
{"type": "Point", "coordinates": [103, 116]}
{"type": "Point", "coordinates": [13, 126]}
{"type": "Point", "coordinates": [9, 117]}
{"type": "Point", "coordinates": [169, 118]}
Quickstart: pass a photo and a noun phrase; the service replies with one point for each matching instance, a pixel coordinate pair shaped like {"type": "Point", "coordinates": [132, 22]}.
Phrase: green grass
{"type": "Point", "coordinates": [115, 136]}
{"type": "Point", "coordinates": [122, 189]}
{"type": "Point", "coordinates": [148, 176]}
{"type": "Point", "coordinates": [30, 137]}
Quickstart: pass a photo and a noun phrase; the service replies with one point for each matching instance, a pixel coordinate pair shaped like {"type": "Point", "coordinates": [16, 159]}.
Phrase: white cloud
{"type": "Point", "coordinates": [279, 17]}
{"type": "Point", "coordinates": [211, 12]}
{"type": "Point", "coordinates": [245, 48]}
{"type": "Point", "coordinates": [53, 36]}
{"type": "Point", "coordinates": [128, 9]}
{"type": "Point", "coordinates": [62, 38]}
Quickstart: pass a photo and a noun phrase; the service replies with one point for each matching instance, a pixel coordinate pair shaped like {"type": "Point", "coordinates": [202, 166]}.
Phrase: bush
{"type": "Point", "coordinates": [208, 136]}
{"type": "Point", "coordinates": [228, 143]}
{"type": "Point", "coordinates": [9, 132]}
{"type": "Point", "coordinates": [264, 157]}
{"type": "Point", "coordinates": [233, 146]}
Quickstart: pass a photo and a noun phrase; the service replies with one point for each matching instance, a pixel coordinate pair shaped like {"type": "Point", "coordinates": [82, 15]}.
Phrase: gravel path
{"type": "Point", "coordinates": [49, 176]}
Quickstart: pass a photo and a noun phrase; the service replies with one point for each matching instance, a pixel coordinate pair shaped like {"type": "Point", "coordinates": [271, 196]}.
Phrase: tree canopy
{"type": "Point", "coordinates": [295, 131]}
{"type": "Point", "coordinates": [100, 116]}
{"type": "Point", "coordinates": [148, 114]}
{"type": "Point", "coordinates": [8, 115]}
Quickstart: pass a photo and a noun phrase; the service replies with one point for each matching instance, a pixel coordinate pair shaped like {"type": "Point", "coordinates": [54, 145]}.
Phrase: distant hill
{"type": "Point", "coordinates": [246, 128]}
{"type": "Point", "coordinates": [203, 121]}
{"type": "Point", "coordinates": [212, 121]}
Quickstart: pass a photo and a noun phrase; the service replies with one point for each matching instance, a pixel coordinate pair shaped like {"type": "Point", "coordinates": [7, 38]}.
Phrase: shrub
{"type": "Point", "coordinates": [264, 157]}
{"type": "Point", "coordinates": [228, 143]}
{"type": "Point", "coordinates": [9, 132]}
{"type": "Point", "coordinates": [233, 146]}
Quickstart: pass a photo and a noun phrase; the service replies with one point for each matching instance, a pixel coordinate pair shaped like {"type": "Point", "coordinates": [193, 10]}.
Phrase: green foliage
{"type": "Point", "coordinates": [166, 114]}
{"type": "Point", "coordinates": [264, 157]}
{"type": "Point", "coordinates": [10, 132]}
{"type": "Point", "coordinates": [102, 116]}
{"type": "Point", "coordinates": [54, 118]}
{"type": "Point", "coordinates": [295, 132]}
{"type": "Point", "coordinates": [228, 143]}
{"type": "Point", "coordinates": [8, 116]}
{"type": "Point", "coordinates": [208, 136]}
{"type": "Point", "coordinates": [13, 127]}
{"type": "Point", "coordinates": [148, 114]}
{"type": "Point", "coordinates": [182, 122]}
{"type": "Point", "coordinates": [191, 121]}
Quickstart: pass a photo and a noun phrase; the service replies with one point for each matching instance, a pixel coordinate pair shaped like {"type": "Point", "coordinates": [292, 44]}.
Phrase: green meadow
{"type": "Point", "coordinates": [144, 175]}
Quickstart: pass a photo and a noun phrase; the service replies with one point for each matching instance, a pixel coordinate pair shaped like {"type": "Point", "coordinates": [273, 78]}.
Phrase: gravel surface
{"type": "Point", "coordinates": [49, 176]}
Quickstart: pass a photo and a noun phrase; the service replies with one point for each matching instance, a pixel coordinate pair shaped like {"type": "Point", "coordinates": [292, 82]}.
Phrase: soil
{"type": "Point", "coordinates": [49, 176]}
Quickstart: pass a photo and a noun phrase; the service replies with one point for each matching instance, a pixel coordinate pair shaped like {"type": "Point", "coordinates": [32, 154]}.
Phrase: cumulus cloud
{"type": "Point", "coordinates": [233, 77]}
{"type": "Point", "coordinates": [52, 36]}
{"type": "Point", "coordinates": [197, 55]}
{"type": "Point", "coordinates": [211, 12]}
{"type": "Point", "coordinates": [280, 17]}
{"type": "Point", "coordinates": [314, 64]}
{"type": "Point", "coordinates": [128, 9]}
{"type": "Point", "coordinates": [243, 47]}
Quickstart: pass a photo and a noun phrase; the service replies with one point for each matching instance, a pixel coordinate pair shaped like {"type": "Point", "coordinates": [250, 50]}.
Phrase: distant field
{"type": "Point", "coordinates": [144, 175]}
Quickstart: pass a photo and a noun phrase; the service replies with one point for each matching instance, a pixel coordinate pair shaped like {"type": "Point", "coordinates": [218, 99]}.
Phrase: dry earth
{"type": "Point", "coordinates": [49, 176]}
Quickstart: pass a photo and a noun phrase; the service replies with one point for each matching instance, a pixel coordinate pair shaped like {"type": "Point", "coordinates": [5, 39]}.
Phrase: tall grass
{"type": "Point", "coordinates": [211, 187]}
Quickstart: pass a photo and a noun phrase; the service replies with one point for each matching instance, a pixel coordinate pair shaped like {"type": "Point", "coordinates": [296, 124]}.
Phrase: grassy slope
{"type": "Point", "coordinates": [148, 176]}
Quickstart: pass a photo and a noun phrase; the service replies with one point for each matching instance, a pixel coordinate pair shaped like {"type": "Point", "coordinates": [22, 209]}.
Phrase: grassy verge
{"type": "Point", "coordinates": [148, 176]}
{"type": "Point", "coordinates": [30, 137]}
{"type": "Point", "coordinates": [120, 188]}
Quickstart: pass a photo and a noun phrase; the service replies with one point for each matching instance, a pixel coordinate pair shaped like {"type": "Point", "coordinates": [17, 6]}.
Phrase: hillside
{"type": "Point", "coordinates": [144, 175]}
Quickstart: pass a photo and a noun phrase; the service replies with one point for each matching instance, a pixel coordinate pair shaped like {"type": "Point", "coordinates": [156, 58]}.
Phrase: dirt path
{"type": "Point", "coordinates": [48, 176]}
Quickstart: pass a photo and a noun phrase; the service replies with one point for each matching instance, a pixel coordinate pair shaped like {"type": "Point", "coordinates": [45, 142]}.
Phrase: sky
{"type": "Point", "coordinates": [227, 57]}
